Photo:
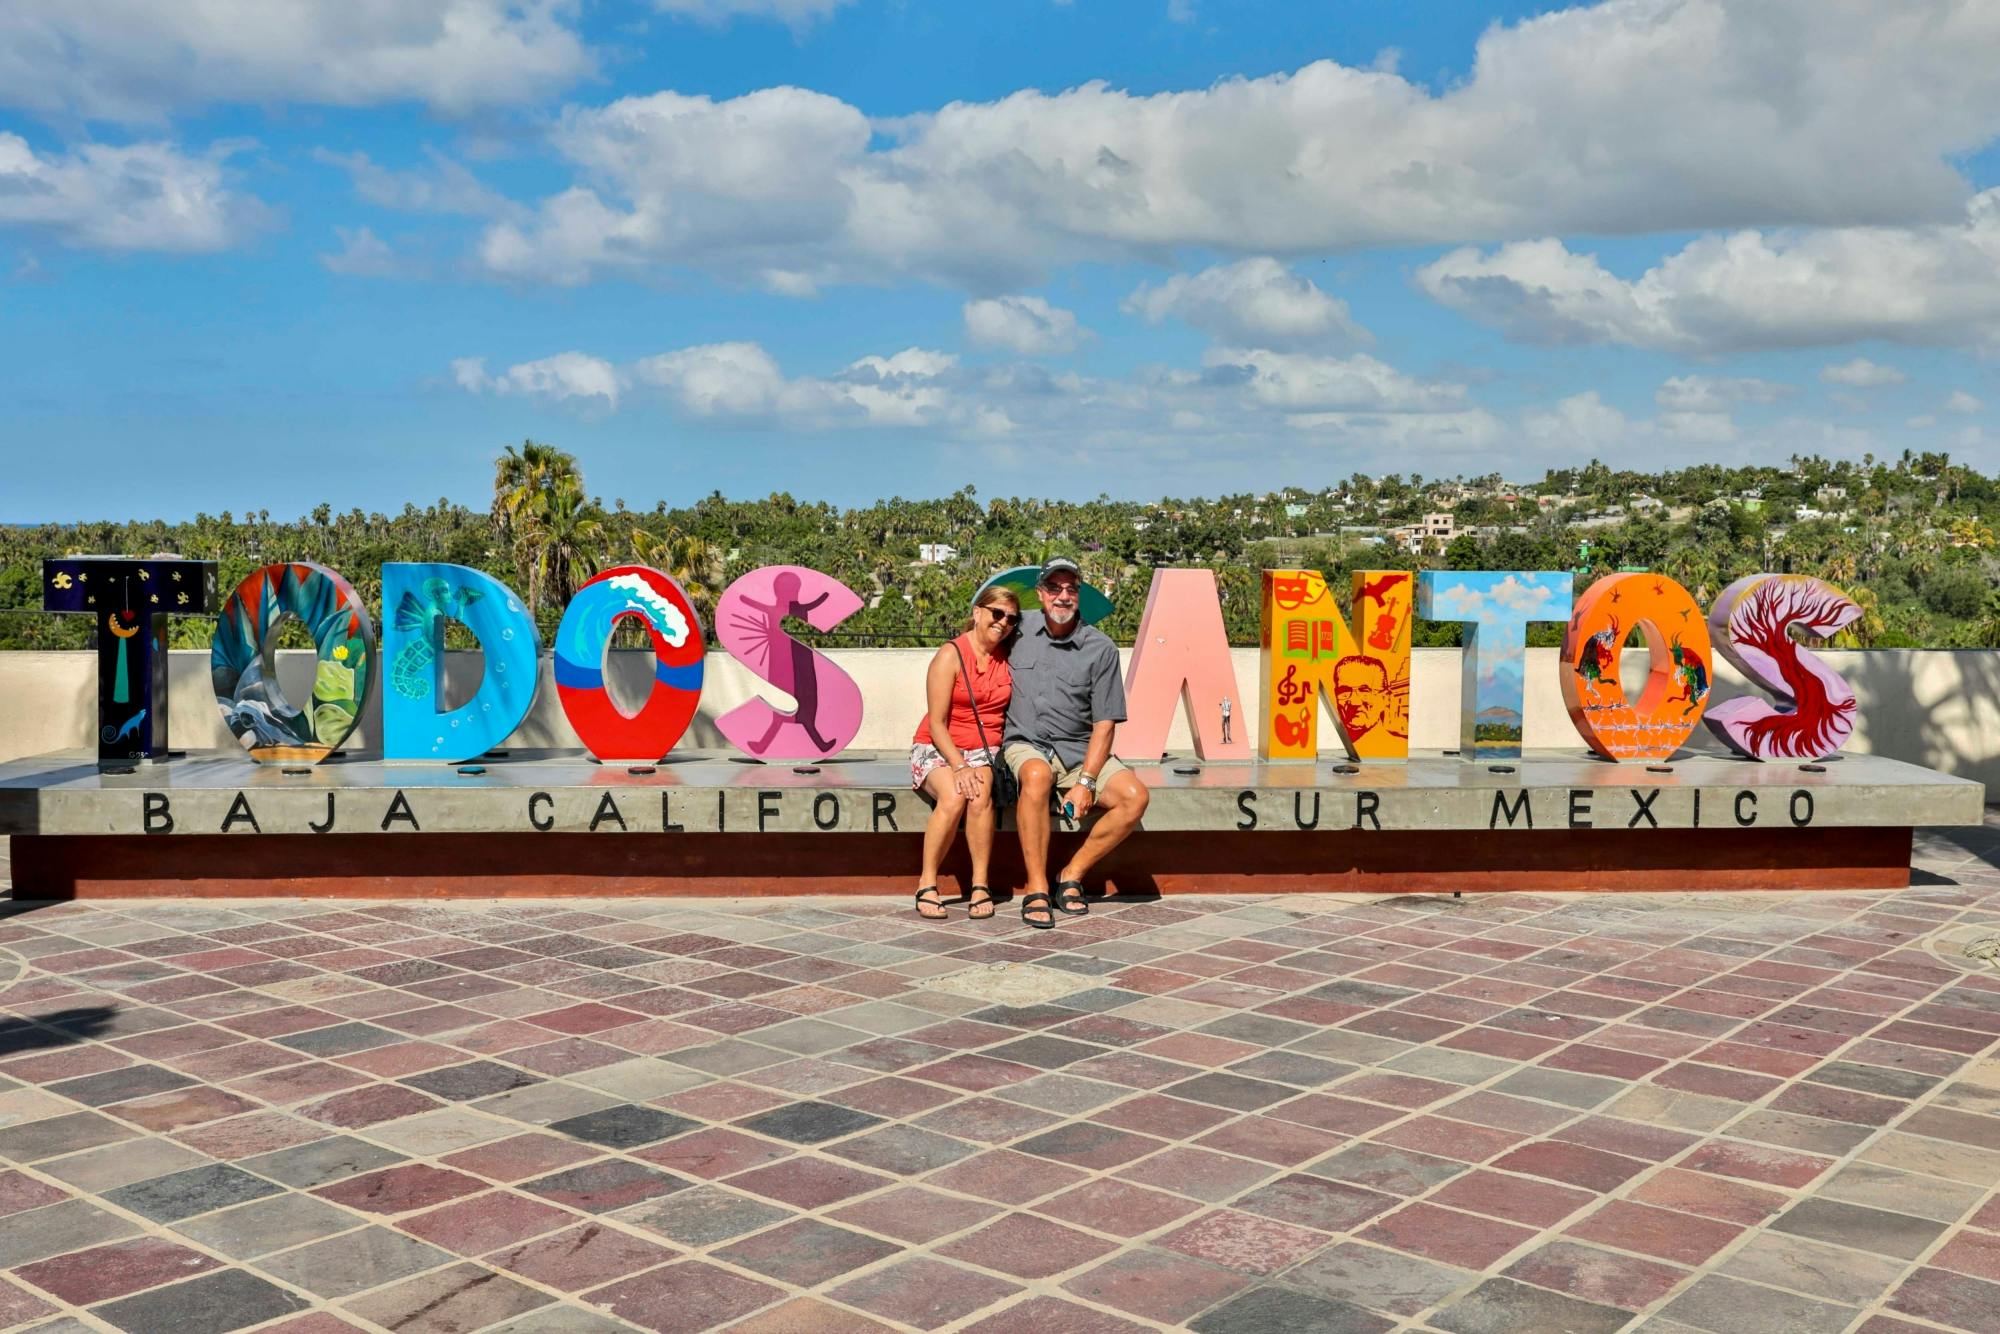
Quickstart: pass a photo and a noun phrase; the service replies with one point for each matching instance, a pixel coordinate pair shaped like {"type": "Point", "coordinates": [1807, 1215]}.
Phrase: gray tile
{"type": "Point", "coordinates": [539, 1104]}
{"type": "Point", "coordinates": [1878, 1187]}
{"type": "Point", "coordinates": [625, 1126]}
{"type": "Point", "coordinates": [134, 1081]}
{"type": "Point", "coordinates": [1385, 1167]}
{"type": "Point", "coordinates": [212, 1304]}
{"type": "Point", "coordinates": [353, 1262]}
{"type": "Point", "coordinates": [1269, 1307]}
{"type": "Point", "coordinates": [1804, 1265]}
{"type": "Point", "coordinates": [1729, 1306]}
{"type": "Point", "coordinates": [1561, 1086]}
{"type": "Point", "coordinates": [57, 1229]}
{"type": "Point", "coordinates": [1808, 1134]}
{"type": "Point", "coordinates": [193, 1191]}
{"type": "Point", "coordinates": [476, 1079]}
{"type": "Point", "coordinates": [904, 1150]}
{"type": "Point", "coordinates": [339, 1040]}
{"type": "Point", "coordinates": [267, 1225]}
{"type": "Point", "coordinates": [731, 1057]}
{"type": "Point", "coordinates": [703, 1216]}
{"type": "Point", "coordinates": [1873, 1079]}
{"type": "Point", "coordinates": [37, 1140]}
{"type": "Point", "coordinates": [324, 1160]}
{"type": "Point", "coordinates": [1379, 1279]}
{"type": "Point", "coordinates": [1503, 1306]}
{"type": "Point", "coordinates": [1453, 1067]}
{"type": "Point", "coordinates": [113, 1165]}
{"type": "Point", "coordinates": [1064, 1094]}
{"type": "Point", "coordinates": [809, 1037]}
{"type": "Point", "coordinates": [1875, 1230]}
{"type": "Point", "coordinates": [809, 1122]}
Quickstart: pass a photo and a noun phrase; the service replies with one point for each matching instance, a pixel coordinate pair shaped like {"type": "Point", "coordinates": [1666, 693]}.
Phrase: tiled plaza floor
{"type": "Point", "coordinates": [1743, 1114]}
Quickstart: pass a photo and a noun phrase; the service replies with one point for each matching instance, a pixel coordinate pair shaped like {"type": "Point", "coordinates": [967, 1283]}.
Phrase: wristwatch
{"type": "Point", "coordinates": [1088, 782]}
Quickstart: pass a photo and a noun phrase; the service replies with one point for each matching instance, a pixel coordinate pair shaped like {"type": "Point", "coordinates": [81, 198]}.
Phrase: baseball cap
{"type": "Point", "coordinates": [1058, 565]}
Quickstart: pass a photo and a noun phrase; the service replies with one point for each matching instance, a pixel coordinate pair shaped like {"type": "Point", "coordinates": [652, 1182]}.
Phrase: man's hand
{"type": "Point", "coordinates": [1079, 799]}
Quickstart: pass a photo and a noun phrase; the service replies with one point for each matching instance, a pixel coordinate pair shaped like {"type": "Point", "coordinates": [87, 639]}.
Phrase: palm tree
{"type": "Point", "coordinates": [688, 560]}
{"type": "Point", "coordinates": [523, 480]}
{"type": "Point", "coordinates": [564, 537]}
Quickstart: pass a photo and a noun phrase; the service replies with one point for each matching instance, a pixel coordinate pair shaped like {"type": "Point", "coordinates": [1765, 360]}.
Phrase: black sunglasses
{"type": "Point", "coordinates": [1003, 617]}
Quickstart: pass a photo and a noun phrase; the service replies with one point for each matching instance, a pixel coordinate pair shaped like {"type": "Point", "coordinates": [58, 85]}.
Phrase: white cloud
{"type": "Point", "coordinates": [1782, 112]}
{"type": "Point", "coordinates": [1256, 300]}
{"type": "Point", "coordinates": [1296, 382]}
{"type": "Point", "coordinates": [145, 196]}
{"type": "Point", "coordinates": [1580, 424]}
{"type": "Point", "coordinates": [362, 254]}
{"type": "Point", "coordinates": [565, 376]}
{"type": "Point", "coordinates": [1862, 373]}
{"type": "Point", "coordinates": [1709, 394]}
{"type": "Point", "coordinates": [1028, 325]}
{"type": "Point", "coordinates": [444, 186]}
{"type": "Point", "coordinates": [794, 14]}
{"type": "Point", "coordinates": [142, 60]}
{"type": "Point", "coordinates": [1960, 401]}
{"type": "Point", "coordinates": [742, 382]}
{"type": "Point", "coordinates": [1921, 285]}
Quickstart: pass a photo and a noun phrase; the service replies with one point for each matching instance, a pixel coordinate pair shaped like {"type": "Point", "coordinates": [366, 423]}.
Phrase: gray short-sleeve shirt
{"type": "Point", "coordinates": [1062, 687]}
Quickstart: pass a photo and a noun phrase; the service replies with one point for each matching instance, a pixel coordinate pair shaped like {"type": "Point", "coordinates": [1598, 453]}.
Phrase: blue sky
{"type": "Point", "coordinates": [287, 251]}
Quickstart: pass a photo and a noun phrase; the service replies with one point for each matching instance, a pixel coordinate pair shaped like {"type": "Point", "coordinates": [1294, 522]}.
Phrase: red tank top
{"type": "Point", "coordinates": [992, 687]}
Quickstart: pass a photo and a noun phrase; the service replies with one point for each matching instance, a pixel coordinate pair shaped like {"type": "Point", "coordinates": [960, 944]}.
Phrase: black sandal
{"type": "Point", "coordinates": [981, 908]}
{"type": "Point", "coordinates": [1028, 903]}
{"type": "Point", "coordinates": [1070, 892]}
{"type": "Point", "coordinates": [932, 902]}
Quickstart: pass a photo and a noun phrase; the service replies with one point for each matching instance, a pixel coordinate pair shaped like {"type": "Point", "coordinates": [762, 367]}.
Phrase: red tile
{"type": "Point", "coordinates": [581, 1257]}
{"type": "Point", "coordinates": [1572, 1164]}
{"type": "Point", "coordinates": [1343, 1116]}
{"type": "Point", "coordinates": [396, 1190]}
{"type": "Point", "coordinates": [1268, 1140]}
{"type": "Point", "coordinates": [714, 1152]}
{"type": "Point", "coordinates": [579, 1020]}
{"type": "Point", "coordinates": [19, 1191]}
{"type": "Point", "coordinates": [1157, 1286]}
{"type": "Point", "coordinates": [1445, 1235]}
{"type": "Point", "coordinates": [1716, 1082]}
{"type": "Point", "coordinates": [104, 1272]}
{"type": "Point", "coordinates": [1661, 1233]}
{"type": "Point", "coordinates": [1026, 1247]}
{"type": "Point", "coordinates": [1756, 1162]}
{"type": "Point", "coordinates": [1008, 1176]}
{"type": "Point", "coordinates": [1710, 1196]}
{"type": "Point", "coordinates": [1974, 1253]}
{"type": "Point", "coordinates": [1159, 1114]}
{"type": "Point", "coordinates": [1449, 1139]}
{"type": "Point", "coordinates": [486, 1222]}
{"type": "Point", "coordinates": [808, 1183]}
{"type": "Point", "coordinates": [1518, 1199]}
{"type": "Point", "coordinates": [520, 1157]}
{"type": "Point", "coordinates": [369, 1106]}
{"type": "Point", "coordinates": [1116, 1207]}
{"type": "Point", "coordinates": [1245, 1243]}
{"type": "Point", "coordinates": [916, 1215]}
{"type": "Point", "coordinates": [1213, 1177]}
{"type": "Point", "coordinates": [690, 1295]}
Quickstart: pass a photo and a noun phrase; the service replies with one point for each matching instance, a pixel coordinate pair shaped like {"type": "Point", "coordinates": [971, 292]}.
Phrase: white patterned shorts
{"type": "Point", "coordinates": [924, 757]}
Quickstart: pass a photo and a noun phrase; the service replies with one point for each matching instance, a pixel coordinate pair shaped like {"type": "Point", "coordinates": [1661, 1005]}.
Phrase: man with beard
{"type": "Point", "coordinates": [1068, 701]}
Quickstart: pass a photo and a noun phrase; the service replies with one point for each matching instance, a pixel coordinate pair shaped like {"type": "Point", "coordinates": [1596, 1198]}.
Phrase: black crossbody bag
{"type": "Point", "coordinates": [1005, 790]}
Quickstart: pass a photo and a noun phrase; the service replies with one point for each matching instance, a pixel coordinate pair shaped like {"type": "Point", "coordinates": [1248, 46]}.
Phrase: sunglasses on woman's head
{"type": "Point", "coordinates": [1003, 617]}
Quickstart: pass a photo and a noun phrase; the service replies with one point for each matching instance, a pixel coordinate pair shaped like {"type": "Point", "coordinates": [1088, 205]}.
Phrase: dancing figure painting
{"type": "Point", "coordinates": [749, 620]}
{"type": "Point", "coordinates": [582, 641]}
{"type": "Point", "coordinates": [1680, 667]}
{"type": "Point", "coordinates": [1752, 623]}
{"type": "Point", "coordinates": [243, 667]}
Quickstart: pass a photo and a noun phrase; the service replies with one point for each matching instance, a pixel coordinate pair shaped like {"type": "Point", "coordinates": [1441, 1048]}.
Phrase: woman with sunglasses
{"type": "Point", "coordinates": [957, 743]}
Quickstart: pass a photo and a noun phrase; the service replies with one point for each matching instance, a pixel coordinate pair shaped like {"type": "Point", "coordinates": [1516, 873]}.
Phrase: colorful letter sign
{"type": "Point", "coordinates": [1496, 607]}
{"type": "Point", "coordinates": [583, 639]}
{"type": "Point", "coordinates": [1677, 679]}
{"type": "Point", "coordinates": [1310, 651]}
{"type": "Point", "coordinates": [243, 668]}
{"type": "Point", "coordinates": [128, 602]}
{"type": "Point", "coordinates": [1752, 623]}
{"type": "Point", "coordinates": [1181, 656]}
{"type": "Point", "coordinates": [749, 620]}
{"type": "Point", "coordinates": [417, 601]}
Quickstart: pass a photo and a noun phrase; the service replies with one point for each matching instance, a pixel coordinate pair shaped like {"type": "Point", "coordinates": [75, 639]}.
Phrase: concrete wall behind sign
{"type": "Point", "coordinates": [1938, 708]}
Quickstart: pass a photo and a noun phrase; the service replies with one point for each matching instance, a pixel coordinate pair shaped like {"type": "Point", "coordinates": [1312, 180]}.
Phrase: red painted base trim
{"type": "Point", "coordinates": [546, 865]}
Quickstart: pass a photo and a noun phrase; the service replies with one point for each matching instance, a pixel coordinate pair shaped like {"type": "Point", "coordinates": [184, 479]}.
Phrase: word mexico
{"type": "Point", "coordinates": [1353, 661]}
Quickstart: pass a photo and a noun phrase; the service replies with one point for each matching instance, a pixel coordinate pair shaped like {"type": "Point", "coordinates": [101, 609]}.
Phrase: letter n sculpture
{"type": "Point", "coordinates": [1310, 651]}
{"type": "Point", "coordinates": [128, 602]}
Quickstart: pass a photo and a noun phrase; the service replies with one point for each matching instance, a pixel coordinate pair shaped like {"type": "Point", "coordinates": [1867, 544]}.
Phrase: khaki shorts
{"type": "Point", "coordinates": [1017, 753]}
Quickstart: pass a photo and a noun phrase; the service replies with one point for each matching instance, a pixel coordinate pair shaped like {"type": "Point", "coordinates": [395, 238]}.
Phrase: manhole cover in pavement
{"type": "Point", "coordinates": [1973, 946]}
{"type": "Point", "coordinates": [1011, 983]}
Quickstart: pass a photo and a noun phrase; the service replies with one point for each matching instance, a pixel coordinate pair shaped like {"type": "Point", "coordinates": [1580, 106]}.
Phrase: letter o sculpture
{"type": "Point", "coordinates": [1681, 669]}
{"type": "Point", "coordinates": [580, 646]}
{"type": "Point", "coordinates": [243, 670]}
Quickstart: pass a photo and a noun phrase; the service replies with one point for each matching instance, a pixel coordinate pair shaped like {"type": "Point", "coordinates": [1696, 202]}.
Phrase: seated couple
{"type": "Point", "coordinates": [1045, 687]}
